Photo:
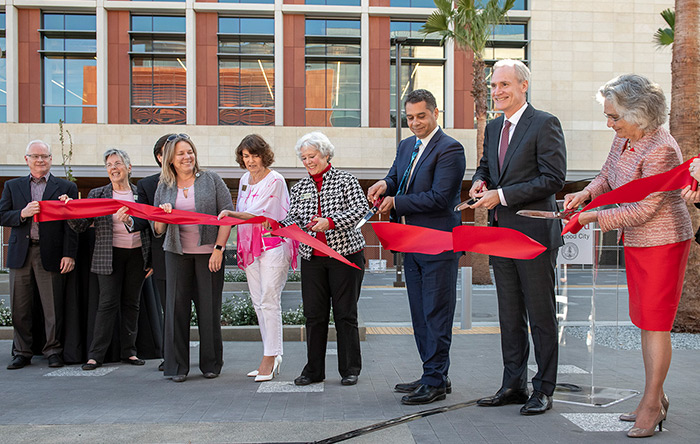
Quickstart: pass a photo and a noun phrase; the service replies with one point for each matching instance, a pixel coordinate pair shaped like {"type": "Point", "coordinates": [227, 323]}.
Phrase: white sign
{"type": "Point", "coordinates": [577, 248]}
{"type": "Point", "coordinates": [377, 265]}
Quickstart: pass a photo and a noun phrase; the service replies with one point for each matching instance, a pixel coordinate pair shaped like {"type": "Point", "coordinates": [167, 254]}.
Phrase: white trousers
{"type": "Point", "coordinates": [266, 278]}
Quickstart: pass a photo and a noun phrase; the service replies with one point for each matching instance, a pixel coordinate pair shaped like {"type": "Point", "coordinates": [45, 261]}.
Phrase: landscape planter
{"type": "Point", "coordinates": [243, 286]}
{"type": "Point", "coordinates": [291, 333]}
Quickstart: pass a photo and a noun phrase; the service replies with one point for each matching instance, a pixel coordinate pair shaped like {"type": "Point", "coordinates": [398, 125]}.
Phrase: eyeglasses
{"type": "Point", "coordinates": [116, 164]}
{"type": "Point", "coordinates": [39, 156]}
{"type": "Point", "coordinates": [612, 117]}
{"type": "Point", "coordinates": [178, 136]}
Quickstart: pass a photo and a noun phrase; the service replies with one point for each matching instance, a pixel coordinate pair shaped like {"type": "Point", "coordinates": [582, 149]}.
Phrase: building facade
{"type": "Point", "coordinates": [122, 73]}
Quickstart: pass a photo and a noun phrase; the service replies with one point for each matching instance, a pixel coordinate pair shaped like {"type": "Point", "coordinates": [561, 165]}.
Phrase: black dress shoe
{"type": "Point", "coordinates": [136, 361]}
{"type": "Point", "coordinates": [504, 396]}
{"type": "Point", "coordinates": [305, 380]}
{"type": "Point", "coordinates": [18, 362]}
{"type": "Point", "coordinates": [210, 375]}
{"type": "Point", "coordinates": [349, 380]}
{"type": "Point", "coordinates": [89, 366]}
{"type": "Point", "coordinates": [424, 394]}
{"type": "Point", "coordinates": [55, 361]}
{"type": "Point", "coordinates": [161, 366]}
{"type": "Point", "coordinates": [537, 404]}
{"type": "Point", "coordinates": [410, 387]}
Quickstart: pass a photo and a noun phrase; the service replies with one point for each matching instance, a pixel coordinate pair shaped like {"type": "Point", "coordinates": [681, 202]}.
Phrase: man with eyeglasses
{"type": "Point", "coordinates": [39, 255]}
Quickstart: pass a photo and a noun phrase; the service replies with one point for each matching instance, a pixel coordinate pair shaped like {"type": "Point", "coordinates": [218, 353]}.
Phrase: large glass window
{"type": "Point", "coordinates": [69, 68]}
{"type": "Point", "coordinates": [334, 2]}
{"type": "Point", "coordinates": [422, 66]}
{"type": "Point", "coordinates": [246, 71]}
{"type": "Point", "coordinates": [158, 70]}
{"type": "Point", "coordinates": [519, 4]}
{"type": "Point", "coordinates": [3, 71]}
{"type": "Point", "coordinates": [508, 41]}
{"type": "Point", "coordinates": [247, 1]}
{"type": "Point", "coordinates": [332, 72]}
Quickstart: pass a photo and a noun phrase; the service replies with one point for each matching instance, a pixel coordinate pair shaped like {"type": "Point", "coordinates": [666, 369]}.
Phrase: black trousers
{"type": "Point", "coordinates": [120, 292]}
{"type": "Point", "coordinates": [526, 292]}
{"type": "Point", "coordinates": [326, 282]}
{"type": "Point", "coordinates": [189, 279]}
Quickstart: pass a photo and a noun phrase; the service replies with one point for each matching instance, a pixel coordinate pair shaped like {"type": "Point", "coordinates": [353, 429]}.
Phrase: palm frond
{"type": "Point", "coordinates": [669, 16]}
{"type": "Point", "coordinates": [665, 36]}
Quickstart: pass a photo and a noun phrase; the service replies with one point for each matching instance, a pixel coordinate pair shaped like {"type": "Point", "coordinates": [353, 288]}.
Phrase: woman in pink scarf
{"type": "Point", "coordinates": [265, 258]}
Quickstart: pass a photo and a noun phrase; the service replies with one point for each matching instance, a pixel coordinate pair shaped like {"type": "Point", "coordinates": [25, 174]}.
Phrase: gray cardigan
{"type": "Point", "coordinates": [211, 196]}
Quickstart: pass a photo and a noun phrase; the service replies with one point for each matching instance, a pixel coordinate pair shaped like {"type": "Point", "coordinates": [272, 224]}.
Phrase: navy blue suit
{"type": "Point", "coordinates": [533, 171]}
{"type": "Point", "coordinates": [431, 280]}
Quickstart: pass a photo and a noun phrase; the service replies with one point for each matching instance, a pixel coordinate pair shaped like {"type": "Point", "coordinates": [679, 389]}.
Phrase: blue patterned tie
{"type": "Point", "coordinates": [404, 180]}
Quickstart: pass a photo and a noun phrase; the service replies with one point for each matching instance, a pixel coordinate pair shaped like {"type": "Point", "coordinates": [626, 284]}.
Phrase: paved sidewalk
{"type": "Point", "coordinates": [121, 403]}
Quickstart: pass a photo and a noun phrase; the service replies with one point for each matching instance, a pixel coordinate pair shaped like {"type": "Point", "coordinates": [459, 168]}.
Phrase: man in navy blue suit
{"type": "Point", "coordinates": [422, 188]}
{"type": "Point", "coordinates": [38, 255]}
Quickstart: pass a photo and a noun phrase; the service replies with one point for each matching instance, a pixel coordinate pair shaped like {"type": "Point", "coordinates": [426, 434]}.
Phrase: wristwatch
{"type": "Point", "coordinates": [221, 248]}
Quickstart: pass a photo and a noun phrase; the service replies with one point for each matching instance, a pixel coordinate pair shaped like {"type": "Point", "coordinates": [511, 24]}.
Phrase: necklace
{"type": "Point", "coordinates": [185, 189]}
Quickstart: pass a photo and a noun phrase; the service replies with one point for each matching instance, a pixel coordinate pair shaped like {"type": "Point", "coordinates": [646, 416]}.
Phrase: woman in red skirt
{"type": "Point", "coordinates": [655, 231]}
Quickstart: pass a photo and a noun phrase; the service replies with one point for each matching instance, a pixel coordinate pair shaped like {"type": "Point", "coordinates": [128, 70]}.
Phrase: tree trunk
{"type": "Point", "coordinates": [480, 262]}
{"type": "Point", "coordinates": [685, 115]}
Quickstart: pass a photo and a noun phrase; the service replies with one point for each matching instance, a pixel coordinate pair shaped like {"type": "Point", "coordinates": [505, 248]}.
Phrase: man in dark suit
{"type": "Point", "coordinates": [422, 188]}
{"type": "Point", "coordinates": [38, 255]}
{"type": "Point", "coordinates": [146, 190]}
{"type": "Point", "coordinates": [523, 166]}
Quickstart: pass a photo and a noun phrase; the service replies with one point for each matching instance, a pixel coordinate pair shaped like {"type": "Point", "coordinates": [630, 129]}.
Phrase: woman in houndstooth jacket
{"type": "Point", "coordinates": [328, 205]}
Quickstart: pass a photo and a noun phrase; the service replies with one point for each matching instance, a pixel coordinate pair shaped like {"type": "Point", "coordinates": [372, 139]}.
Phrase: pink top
{"type": "Point", "coordinates": [189, 234]}
{"type": "Point", "coordinates": [121, 238]}
{"type": "Point", "coordinates": [268, 198]}
{"type": "Point", "coordinates": [659, 219]}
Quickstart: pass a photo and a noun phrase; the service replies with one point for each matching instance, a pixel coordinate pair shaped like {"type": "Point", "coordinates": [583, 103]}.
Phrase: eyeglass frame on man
{"type": "Point", "coordinates": [38, 156]}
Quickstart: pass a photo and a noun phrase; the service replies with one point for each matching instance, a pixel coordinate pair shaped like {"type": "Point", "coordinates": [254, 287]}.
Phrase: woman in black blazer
{"type": "Point", "coordinates": [120, 261]}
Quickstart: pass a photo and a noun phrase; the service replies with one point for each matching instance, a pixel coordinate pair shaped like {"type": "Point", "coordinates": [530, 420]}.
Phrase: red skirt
{"type": "Point", "coordinates": [655, 280]}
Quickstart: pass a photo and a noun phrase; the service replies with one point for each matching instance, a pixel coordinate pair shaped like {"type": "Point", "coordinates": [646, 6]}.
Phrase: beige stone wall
{"type": "Point", "coordinates": [576, 46]}
{"type": "Point", "coordinates": [355, 148]}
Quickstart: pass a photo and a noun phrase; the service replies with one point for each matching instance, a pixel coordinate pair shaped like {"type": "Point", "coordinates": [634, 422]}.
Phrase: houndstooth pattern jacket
{"type": "Point", "coordinates": [102, 253]}
{"type": "Point", "coordinates": [342, 200]}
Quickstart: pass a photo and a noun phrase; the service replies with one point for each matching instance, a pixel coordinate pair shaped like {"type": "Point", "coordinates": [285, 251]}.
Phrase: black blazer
{"type": "Point", "coordinates": [146, 189]}
{"type": "Point", "coordinates": [534, 170]}
{"type": "Point", "coordinates": [56, 239]}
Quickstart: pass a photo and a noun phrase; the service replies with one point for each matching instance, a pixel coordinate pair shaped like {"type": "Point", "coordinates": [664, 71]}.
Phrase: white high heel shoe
{"type": "Point", "coordinates": [252, 374]}
{"type": "Point", "coordinates": [275, 368]}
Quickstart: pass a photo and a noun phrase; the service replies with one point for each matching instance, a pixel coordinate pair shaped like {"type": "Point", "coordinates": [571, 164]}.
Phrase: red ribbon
{"type": "Point", "coordinates": [495, 241]}
{"type": "Point", "coordinates": [637, 190]}
{"type": "Point", "coordinates": [82, 208]}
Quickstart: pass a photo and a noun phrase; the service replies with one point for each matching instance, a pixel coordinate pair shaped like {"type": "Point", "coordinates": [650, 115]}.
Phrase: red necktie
{"type": "Point", "coordinates": [503, 147]}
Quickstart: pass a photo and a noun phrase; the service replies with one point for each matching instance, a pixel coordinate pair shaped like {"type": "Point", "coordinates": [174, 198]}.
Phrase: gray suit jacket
{"type": "Point", "coordinates": [211, 196]}
{"type": "Point", "coordinates": [104, 229]}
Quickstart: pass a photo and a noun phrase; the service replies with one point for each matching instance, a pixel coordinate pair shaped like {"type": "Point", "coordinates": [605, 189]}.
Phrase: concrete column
{"type": "Point", "coordinates": [102, 57]}
{"type": "Point", "coordinates": [12, 62]}
{"type": "Point", "coordinates": [449, 84]}
{"type": "Point", "coordinates": [279, 64]}
{"type": "Point", "coordinates": [364, 64]}
{"type": "Point", "coordinates": [191, 61]}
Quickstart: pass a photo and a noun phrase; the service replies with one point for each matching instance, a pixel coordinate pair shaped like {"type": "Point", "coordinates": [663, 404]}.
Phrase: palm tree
{"type": "Point", "coordinates": [469, 24]}
{"type": "Point", "coordinates": [685, 114]}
